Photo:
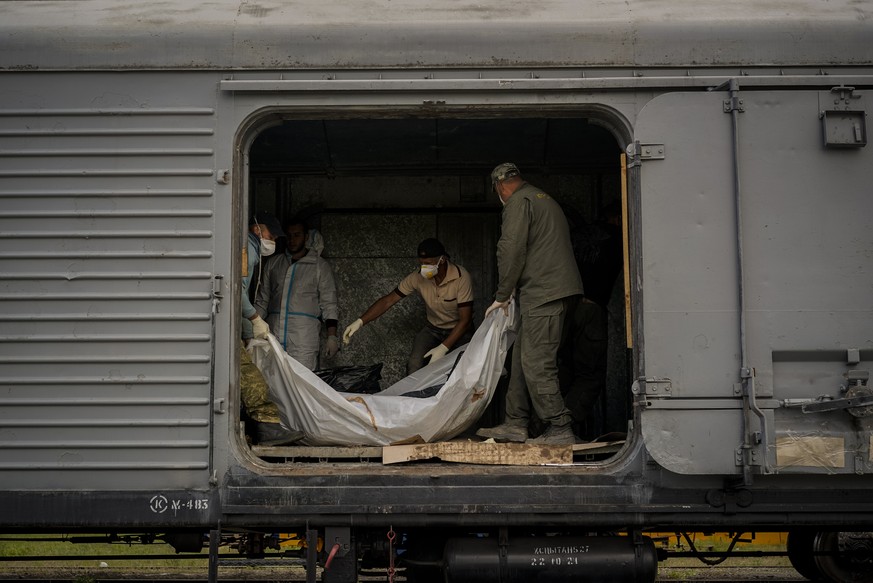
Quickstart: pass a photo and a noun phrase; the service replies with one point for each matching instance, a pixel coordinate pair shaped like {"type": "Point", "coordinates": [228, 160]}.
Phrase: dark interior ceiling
{"type": "Point", "coordinates": [432, 146]}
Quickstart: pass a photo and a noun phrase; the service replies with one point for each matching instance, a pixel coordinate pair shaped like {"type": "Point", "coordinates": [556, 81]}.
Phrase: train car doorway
{"type": "Point", "coordinates": [374, 187]}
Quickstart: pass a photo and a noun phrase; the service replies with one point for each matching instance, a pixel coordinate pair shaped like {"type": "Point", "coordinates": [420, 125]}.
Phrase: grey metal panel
{"type": "Point", "coordinates": [808, 278]}
{"type": "Point", "coordinates": [694, 441]}
{"type": "Point", "coordinates": [106, 268]}
{"type": "Point", "coordinates": [406, 33]}
{"type": "Point", "coordinates": [689, 266]}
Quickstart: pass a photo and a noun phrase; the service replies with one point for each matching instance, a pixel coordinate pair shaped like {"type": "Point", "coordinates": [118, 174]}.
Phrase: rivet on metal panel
{"type": "Point", "coordinates": [223, 176]}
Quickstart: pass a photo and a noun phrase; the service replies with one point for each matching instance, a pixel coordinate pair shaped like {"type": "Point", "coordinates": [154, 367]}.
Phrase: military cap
{"type": "Point", "coordinates": [504, 171]}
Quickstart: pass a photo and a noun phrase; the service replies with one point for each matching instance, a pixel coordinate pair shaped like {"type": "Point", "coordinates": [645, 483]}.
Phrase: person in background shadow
{"type": "Point", "coordinates": [583, 354]}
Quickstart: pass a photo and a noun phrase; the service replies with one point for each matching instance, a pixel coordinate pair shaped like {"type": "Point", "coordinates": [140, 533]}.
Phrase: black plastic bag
{"type": "Point", "coordinates": [434, 389]}
{"type": "Point", "coordinates": [425, 392]}
{"type": "Point", "coordinates": [353, 379]}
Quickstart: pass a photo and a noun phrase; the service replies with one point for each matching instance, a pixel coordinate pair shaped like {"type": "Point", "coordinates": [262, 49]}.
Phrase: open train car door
{"type": "Point", "coordinates": [757, 280]}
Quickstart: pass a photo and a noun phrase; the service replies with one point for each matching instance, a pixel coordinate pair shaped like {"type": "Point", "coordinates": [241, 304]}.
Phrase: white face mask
{"type": "Point", "coordinates": [430, 271]}
{"type": "Point", "coordinates": [267, 247]}
{"type": "Point", "coordinates": [500, 198]}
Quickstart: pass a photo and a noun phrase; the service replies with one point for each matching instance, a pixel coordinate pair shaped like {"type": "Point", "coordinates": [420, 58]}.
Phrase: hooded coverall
{"type": "Point", "coordinates": [294, 297]}
{"type": "Point", "coordinates": [248, 310]}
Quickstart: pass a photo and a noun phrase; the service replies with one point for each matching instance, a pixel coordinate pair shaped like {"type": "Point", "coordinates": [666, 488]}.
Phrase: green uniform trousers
{"type": "Point", "coordinates": [533, 381]}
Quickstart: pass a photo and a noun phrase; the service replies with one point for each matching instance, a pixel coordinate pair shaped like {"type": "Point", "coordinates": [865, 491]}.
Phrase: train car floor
{"type": "Point", "coordinates": [458, 451]}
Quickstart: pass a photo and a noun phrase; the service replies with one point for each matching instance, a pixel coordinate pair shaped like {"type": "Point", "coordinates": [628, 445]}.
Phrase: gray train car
{"type": "Point", "coordinates": [136, 139]}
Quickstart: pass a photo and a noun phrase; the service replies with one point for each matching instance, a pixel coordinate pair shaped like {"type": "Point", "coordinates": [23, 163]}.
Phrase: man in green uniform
{"type": "Point", "coordinates": [535, 257]}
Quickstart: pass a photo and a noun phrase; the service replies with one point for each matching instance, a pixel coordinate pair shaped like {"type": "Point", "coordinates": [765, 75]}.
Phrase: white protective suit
{"type": "Point", "coordinates": [294, 299]}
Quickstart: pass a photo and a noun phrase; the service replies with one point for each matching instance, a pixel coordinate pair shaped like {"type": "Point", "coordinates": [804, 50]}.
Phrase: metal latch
{"type": "Point", "coordinates": [844, 124]}
{"type": "Point", "coordinates": [218, 406]}
{"type": "Point", "coordinates": [858, 401]}
{"type": "Point", "coordinates": [217, 294]}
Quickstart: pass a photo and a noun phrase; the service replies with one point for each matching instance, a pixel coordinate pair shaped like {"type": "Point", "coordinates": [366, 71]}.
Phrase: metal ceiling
{"type": "Point", "coordinates": [431, 146]}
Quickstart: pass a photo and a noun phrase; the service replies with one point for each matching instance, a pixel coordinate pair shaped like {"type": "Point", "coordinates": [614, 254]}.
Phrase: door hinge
{"type": "Point", "coordinates": [650, 151]}
{"type": "Point", "coordinates": [639, 152]}
{"type": "Point", "coordinates": [653, 387]}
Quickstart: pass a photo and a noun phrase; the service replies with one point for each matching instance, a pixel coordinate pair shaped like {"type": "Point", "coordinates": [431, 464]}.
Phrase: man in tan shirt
{"type": "Point", "coordinates": [447, 291]}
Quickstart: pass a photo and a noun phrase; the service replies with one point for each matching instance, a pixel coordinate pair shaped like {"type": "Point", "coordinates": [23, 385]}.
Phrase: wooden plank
{"type": "Point", "coordinates": [629, 332]}
{"type": "Point", "coordinates": [318, 452]}
{"type": "Point", "coordinates": [598, 447]}
{"type": "Point", "coordinates": [473, 452]}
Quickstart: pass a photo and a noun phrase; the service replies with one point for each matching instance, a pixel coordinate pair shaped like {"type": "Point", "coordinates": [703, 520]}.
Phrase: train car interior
{"type": "Point", "coordinates": [375, 186]}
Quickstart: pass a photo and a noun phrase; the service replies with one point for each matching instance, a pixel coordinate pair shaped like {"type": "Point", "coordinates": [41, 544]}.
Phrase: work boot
{"type": "Point", "coordinates": [510, 431]}
{"type": "Point", "coordinates": [555, 435]}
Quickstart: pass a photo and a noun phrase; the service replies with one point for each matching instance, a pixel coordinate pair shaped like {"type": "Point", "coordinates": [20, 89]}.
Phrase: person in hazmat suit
{"type": "Point", "coordinates": [264, 425]}
{"type": "Point", "coordinates": [264, 229]}
{"type": "Point", "coordinates": [297, 294]}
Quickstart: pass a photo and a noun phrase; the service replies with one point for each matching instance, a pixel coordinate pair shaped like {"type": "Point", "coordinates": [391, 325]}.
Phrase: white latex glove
{"type": "Point", "coordinates": [260, 328]}
{"type": "Point", "coordinates": [496, 304]}
{"type": "Point", "coordinates": [351, 329]}
{"type": "Point", "coordinates": [436, 353]}
{"type": "Point", "coordinates": [331, 347]}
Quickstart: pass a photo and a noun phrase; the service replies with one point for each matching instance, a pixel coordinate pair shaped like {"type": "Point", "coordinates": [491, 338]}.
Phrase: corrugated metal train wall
{"type": "Point", "coordinates": [106, 268]}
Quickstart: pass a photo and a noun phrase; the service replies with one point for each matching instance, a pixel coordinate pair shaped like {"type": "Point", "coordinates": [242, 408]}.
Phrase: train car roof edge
{"type": "Point", "coordinates": [402, 34]}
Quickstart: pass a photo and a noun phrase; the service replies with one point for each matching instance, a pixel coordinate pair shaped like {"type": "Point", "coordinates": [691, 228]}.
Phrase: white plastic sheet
{"type": "Point", "coordinates": [328, 417]}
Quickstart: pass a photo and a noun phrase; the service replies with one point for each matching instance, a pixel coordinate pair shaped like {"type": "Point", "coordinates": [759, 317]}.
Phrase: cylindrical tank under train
{"type": "Point", "coordinates": [544, 559]}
